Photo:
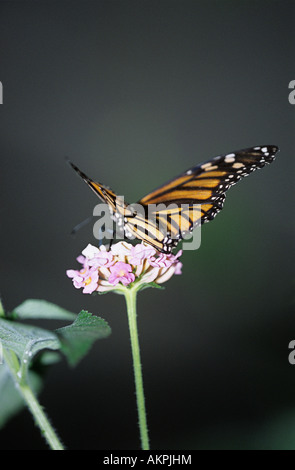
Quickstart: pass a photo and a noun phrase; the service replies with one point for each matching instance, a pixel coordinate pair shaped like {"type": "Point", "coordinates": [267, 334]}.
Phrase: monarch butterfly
{"type": "Point", "coordinates": [204, 184]}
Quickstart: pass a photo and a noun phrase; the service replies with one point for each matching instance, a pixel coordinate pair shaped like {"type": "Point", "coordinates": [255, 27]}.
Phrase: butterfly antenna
{"type": "Point", "coordinates": [81, 225]}
{"type": "Point", "coordinates": [80, 173]}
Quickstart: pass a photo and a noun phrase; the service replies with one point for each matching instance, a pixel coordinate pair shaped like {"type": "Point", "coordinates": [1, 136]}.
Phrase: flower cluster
{"type": "Point", "coordinates": [122, 265]}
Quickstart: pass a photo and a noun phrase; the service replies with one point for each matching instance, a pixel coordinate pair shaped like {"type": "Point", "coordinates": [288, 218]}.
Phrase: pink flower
{"type": "Point", "coordinates": [90, 251]}
{"type": "Point", "coordinates": [178, 264]}
{"type": "Point", "coordinates": [105, 259]}
{"type": "Point", "coordinates": [166, 261]}
{"type": "Point", "coordinates": [97, 257]}
{"type": "Point", "coordinates": [122, 265]}
{"type": "Point", "coordinates": [162, 261]}
{"type": "Point", "coordinates": [81, 259]}
{"type": "Point", "coordinates": [140, 252]}
{"type": "Point", "coordinates": [178, 268]}
{"type": "Point", "coordinates": [86, 278]}
{"type": "Point", "coordinates": [121, 250]}
{"type": "Point", "coordinates": [175, 257]}
{"type": "Point", "coordinates": [121, 272]}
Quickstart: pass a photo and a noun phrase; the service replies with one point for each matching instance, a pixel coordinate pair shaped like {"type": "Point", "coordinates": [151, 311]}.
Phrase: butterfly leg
{"type": "Point", "coordinates": [100, 237]}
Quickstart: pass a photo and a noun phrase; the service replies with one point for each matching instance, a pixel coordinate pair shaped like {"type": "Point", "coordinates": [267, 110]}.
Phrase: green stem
{"type": "Point", "coordinates": [31, 401]}
{"type": "Point", "coordinates": [41, 418]}
{"type": "Point", "coordinates": [130, 296]}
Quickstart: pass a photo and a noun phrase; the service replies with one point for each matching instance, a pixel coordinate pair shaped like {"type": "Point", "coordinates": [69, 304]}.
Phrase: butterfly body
{"type": "Point", "coordinates": [192, 198]}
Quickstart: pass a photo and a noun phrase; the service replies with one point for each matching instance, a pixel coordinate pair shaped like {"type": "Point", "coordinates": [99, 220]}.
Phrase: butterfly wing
{"type": "Point", "coordinates": [192, 198]}
{"type": "Point", "coordinates": [203, 185]}
{"type": "Point", "coordinates": [213, 176]}
{"type": "Point", "coordinates": [104, 193]}
{"type": "Point", "coordinates": [146, 229]}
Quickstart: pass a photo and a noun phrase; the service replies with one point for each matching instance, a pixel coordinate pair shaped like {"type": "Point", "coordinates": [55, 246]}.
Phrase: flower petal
{"type": "Point", "coordinates": [90, 251]}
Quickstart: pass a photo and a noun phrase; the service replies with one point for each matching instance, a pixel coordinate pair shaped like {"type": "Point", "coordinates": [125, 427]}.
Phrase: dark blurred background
{"type": "Point", "coordinates": [135, 92]}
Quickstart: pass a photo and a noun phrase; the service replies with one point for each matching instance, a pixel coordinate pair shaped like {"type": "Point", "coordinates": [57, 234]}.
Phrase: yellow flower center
{"type": "Point", "coordinates": [87, 281]}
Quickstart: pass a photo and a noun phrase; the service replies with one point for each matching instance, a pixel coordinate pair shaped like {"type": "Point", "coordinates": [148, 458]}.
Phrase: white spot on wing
{"type": "Point", "coordinates": [238, 165]}
{"type": "Point", "coordinates": [211, 167]}
{"type": "Point", "coordinates": [230, 158]}
{"type": "Point", "coordinates": [206, 165]}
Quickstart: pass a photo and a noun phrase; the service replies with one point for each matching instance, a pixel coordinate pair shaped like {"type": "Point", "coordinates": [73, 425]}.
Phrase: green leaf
{"type": "Point", "coordinates": [2, 311]}
{"type": "Point", "coordinates": [11, 401]}
{"type": "Point", "coordinates": [73, 340]}
{"type": "Point", "coordinates": [47, 358]}
{"type": "Point", "coordinates": [34, 308]}
{"type": "Point", "coordinates": [22, 342]}
{"type": "Point", "coordinates": [150, 284]}
{"type": "Point", "coordinates": [77, 339]}
{"type": "Point", "coordinates": [26, 341]}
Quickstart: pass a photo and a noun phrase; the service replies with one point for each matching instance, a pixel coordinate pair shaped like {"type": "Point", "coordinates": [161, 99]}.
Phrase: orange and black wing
{"type": "Point", "coordinates": [204, 185]}
{"type": "Point", "coordinates": [104, 193]}
{"type": "Point", "coordinates": [194, 197]}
